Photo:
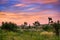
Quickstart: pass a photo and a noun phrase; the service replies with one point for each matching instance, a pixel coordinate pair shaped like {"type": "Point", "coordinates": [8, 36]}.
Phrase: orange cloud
{"type": "Point", "coordinates": [49, 1]}
{"type": "Point", "coordinates": [39, 1]}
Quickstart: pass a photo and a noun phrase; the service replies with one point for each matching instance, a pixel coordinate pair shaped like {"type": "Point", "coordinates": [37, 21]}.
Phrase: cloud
{"type": "Point", "coordinates": [49, 1]}
{"type": "Point", "coordinates": [20, 5]}
{"type": "Point", "coordinates": [39, 1]}
{"type": "Point", "coordinates": [32, 9]}
{"type": "Point", "coordinates": [28, 1]}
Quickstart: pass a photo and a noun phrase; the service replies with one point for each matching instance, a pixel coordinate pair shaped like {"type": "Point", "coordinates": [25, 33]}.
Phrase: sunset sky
{"type": "Point", "coordinates": [20, 11]}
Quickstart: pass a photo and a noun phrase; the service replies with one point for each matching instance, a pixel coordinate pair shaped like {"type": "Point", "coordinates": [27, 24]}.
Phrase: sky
{"type": "Point", "coordinates": [20, 11]}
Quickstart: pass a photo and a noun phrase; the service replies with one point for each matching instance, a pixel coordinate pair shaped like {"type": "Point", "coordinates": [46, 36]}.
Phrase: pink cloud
{"type": "Point", "coordinates": [21, 5]}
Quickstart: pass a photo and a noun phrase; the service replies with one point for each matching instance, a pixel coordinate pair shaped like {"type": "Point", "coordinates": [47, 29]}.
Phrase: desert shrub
{"type": "Point", "coordinates": [9, 26]}
{"type": "Point", "coordinates": [47, 28]}
{"type": "Point", "coordinates": [56, 27]}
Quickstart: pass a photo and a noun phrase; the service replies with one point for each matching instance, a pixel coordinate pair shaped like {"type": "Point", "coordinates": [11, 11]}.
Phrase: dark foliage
{"type": "Point", "coordinates": [47, 27]}
{"type": "Point", "coordinates": [25, 23]}
{"type": "Point", "coordinates": [49, 19]}
{"type": "Point", "coordinates": [56, 27]}
{"type": "Point", "coordinates": [9, 26]}
{"type": "Point", "coordinates": [36, 24]}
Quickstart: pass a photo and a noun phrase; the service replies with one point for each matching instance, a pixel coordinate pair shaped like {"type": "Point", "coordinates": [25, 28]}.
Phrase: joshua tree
{"type": "Point", "coordinates": [25, 23]}
{"type": "Point", "coordinates": [36, 24]}
{"type": "Point", "coordinates": [23, 26]}
{"type": "Point", "coordinates": [50, 19]}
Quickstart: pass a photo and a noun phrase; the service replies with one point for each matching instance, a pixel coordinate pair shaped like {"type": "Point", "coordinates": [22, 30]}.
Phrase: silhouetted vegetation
{"type": "Point", "coordinates": [47, 27]}
{"type": "Point", "coordinates": [56, 27]}
{"type": "Point", "coordinates": [49, 19]}
{"type": "Point", "coordinates": [9, 26]}
{"type": "Point", "coordinates": [36, 24]}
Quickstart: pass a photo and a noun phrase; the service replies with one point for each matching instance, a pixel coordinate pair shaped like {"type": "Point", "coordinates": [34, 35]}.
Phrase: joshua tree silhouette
{"type": "Point", "coordinates": [50, 20]}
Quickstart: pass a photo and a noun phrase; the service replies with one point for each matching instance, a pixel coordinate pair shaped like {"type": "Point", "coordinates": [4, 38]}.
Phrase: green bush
{"type": "Point", "coordinates": [47, 28]}
{"type": "Point", "coordinates": [56, 27]}
{"type": "Point", "coordinates": [9, 26]}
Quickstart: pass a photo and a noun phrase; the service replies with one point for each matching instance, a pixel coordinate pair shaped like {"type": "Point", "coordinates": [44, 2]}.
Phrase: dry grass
{"type": "Point", "coordinates": [48, 34]}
